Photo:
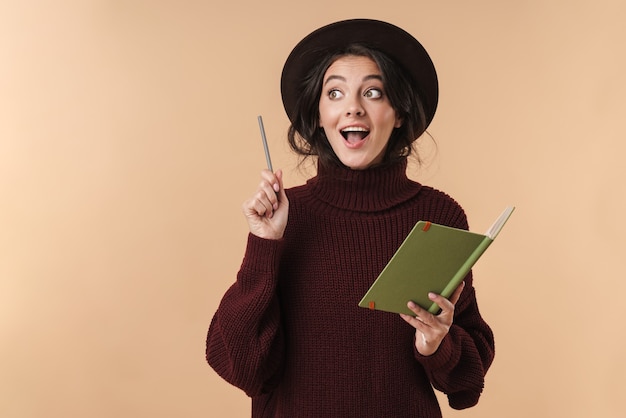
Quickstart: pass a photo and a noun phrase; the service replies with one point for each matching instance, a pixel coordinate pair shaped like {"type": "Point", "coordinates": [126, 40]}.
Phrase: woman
{"type": "Point", "coordinates": [289, 332]}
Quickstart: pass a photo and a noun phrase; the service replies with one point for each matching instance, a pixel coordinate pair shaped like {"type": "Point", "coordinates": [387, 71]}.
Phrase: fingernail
{"type": "Point", "coordinates": [431, 295]}
{"type": "Point", "coordinates": [276, 187]}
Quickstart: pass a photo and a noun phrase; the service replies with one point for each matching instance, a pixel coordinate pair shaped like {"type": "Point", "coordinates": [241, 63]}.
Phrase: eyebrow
{"type": "Point", "coordinates": [341, 78]}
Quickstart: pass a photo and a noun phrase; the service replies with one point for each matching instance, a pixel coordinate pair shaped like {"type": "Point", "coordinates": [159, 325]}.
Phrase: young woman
{"type": "Point", "coordinates": [289, 332]}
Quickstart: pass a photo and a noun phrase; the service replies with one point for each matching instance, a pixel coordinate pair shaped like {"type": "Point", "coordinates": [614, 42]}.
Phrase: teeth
{"type": "Point", "coordinates": [349, 135]}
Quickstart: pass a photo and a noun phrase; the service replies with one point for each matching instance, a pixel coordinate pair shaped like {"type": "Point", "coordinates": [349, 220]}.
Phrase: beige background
{"type": "Point", "coordinates": [128, 140]}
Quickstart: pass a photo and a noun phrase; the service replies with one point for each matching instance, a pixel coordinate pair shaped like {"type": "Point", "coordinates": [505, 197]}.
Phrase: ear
{"type": "Point", "coordinates": [398, 123]}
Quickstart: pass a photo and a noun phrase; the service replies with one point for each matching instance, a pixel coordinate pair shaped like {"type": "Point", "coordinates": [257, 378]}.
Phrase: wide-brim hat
{"type": "Point", "coordinates": [398, 44]}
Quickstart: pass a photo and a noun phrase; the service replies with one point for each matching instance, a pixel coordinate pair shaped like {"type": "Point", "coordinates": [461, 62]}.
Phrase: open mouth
{"type": "Point", "coordinates": [354, 134]}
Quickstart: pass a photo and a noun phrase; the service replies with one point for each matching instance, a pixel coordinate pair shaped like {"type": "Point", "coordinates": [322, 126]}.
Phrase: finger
{"type": "Point", "coordinates": [421, 314]}
{"type": "Point", "coordinates": [258, 205]}
{"type": "Point", "coordinates": [415, 308]}
{"type": "Point", "coordinates": [443, 303]}
{"type": "Point", "coordinates": [275, 181]}
{"type": "Point", "coordinates": [414, 321]}
{"type": "Point", "coordinates": [267, 195]}
{"type": "Point", "coordinates": [272, 179]}
{"type": "Point", "coordinates": [457, 293]}
{"type": "Point", "coordinates": [264, 200]}
{"type": "Point", "coordinates": [281, 187]}
{"type": "Point", "coordinates": [447, 304]}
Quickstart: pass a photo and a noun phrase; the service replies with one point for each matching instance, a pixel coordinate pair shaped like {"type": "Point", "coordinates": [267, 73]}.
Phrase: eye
{"type": "Point", "coordinates": [373, 93]}
{"type": "Point", "coordinates": [335, 94]}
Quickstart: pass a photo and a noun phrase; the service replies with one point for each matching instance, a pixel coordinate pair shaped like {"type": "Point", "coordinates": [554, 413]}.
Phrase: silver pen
{"type": "Point", "coordinates": [267, 150]}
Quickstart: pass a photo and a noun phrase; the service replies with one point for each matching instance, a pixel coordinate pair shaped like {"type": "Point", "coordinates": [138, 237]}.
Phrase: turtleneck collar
{"type": "Point", "coordinates": [370, 190]}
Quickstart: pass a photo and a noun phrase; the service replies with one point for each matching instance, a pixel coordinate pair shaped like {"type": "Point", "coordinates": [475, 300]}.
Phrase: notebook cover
{"type": "Point", "coordinates": [428, 259]}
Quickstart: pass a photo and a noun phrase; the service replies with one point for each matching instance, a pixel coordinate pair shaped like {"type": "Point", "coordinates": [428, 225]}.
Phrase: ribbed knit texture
{"type": "Point", "coordinates": [289, 331]}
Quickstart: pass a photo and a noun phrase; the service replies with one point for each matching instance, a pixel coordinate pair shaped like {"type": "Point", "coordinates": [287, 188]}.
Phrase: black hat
{"type": "Point", "coordinates": [398, 44]}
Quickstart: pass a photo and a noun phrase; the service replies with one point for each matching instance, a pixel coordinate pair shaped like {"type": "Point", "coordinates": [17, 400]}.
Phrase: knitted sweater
{"type": "Point", "coordinates": [290, 334]}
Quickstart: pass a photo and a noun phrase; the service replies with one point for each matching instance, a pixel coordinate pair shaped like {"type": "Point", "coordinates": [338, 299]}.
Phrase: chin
{"type": "Point", "coordinates": [358, 166]}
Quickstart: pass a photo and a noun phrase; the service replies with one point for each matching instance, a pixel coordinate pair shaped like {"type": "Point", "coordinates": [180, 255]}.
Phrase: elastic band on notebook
{"type": "Point", "coordinates": [426, 226]}
{"type": "Point", "coordinates": [372, 304]}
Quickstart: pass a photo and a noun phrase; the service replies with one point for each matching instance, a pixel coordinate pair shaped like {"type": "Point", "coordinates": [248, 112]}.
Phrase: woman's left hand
{"type": "Point", "coordinates": [431, 329]}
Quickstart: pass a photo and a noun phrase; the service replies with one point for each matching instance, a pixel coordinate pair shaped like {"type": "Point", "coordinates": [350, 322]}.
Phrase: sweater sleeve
{"type": "Point", "coordinates": [459, 366]}
{"type": "Point", "coordinates": [245, 341]}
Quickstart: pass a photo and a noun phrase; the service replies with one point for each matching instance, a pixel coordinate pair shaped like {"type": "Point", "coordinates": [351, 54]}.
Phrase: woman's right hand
{"type": "Point", "coordinates": [266, 211]}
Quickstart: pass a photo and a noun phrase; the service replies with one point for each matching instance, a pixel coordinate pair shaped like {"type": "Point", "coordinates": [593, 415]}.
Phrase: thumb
{"type": "Point", "coordinates": [281, 193]}
{"type": "Point", "coordinates": [456, 295]}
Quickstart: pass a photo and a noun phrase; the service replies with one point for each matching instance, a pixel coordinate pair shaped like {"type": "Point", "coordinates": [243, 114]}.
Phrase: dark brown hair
{"type": "Point", "coordinates": [307, 138]}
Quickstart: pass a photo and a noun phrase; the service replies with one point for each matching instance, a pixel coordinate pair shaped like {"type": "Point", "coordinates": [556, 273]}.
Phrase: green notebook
{"type": "Point", "coordinates": [432, 258]}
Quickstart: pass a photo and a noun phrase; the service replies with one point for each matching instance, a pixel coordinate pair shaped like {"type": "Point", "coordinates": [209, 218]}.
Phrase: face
{"type": "Point", "coordinates": [355, 112]}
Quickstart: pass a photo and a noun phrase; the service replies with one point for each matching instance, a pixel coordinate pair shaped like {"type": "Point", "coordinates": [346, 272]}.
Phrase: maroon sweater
{"type": "Point", "coordinates": [289, 331]}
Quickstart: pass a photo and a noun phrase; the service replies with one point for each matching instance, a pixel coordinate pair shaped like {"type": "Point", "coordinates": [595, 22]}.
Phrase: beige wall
{"type": "Point", "coordinates": [128, 140]}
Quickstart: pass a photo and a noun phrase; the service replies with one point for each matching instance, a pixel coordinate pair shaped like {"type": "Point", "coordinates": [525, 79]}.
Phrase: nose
{"type": "Point", "coordinates": [354, 107]}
